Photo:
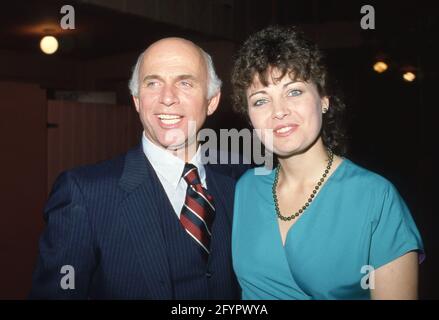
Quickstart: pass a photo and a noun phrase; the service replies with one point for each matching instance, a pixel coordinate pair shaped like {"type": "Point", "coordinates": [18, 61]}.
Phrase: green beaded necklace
{"type": "Point", "coordinates": [311, 197]}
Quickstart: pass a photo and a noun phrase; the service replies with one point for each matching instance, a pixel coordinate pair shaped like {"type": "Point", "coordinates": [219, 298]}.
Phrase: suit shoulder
{"type": "Point", "coordinates": [103, 172]}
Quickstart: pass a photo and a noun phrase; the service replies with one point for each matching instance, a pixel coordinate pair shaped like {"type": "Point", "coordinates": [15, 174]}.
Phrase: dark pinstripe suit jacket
{"type": "Point", "coordinates": [104, 221]}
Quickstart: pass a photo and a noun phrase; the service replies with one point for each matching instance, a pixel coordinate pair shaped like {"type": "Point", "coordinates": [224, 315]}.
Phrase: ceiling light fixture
{"type": "Point", "coordinates": [49, 44]}
{"type": "Point", "coordinates": [380, 66]}
{"type": "Point", "coordinates": [409, 76]}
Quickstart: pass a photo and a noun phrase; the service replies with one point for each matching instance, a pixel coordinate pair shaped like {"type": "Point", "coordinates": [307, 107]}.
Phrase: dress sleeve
{"type": "Point", "coordinates": [394, 232]}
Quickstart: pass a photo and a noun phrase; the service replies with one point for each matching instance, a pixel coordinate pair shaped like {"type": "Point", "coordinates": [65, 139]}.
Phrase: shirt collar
{"type": "Point", "coordinates": [162, 160]}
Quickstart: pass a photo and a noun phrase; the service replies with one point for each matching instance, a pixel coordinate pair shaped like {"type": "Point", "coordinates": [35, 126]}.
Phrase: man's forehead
{"type": "Point", "coordinates": [173, 64]}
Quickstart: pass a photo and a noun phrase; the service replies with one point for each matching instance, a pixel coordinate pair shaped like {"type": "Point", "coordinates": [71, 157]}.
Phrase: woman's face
{"type": "Point", "coordinates": [291, 110]}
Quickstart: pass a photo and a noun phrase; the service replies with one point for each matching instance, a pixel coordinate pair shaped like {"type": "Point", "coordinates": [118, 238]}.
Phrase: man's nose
{"type": "Point", "coordinates": [168, 96]}
{"type": "Point", "coordinates": [280, 110]}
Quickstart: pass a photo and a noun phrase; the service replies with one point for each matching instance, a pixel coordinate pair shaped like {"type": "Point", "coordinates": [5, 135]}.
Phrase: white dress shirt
{"type": "Point", "coordinates": [169, 170]}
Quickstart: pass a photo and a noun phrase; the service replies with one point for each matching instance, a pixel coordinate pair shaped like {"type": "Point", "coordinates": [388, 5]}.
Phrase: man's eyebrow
{"type": "Point", "coordinates": [179, 77]}
{"type": "Point", "coordinates": [151, 77]}
{"type": "Point", "coordinates": [187, 77]}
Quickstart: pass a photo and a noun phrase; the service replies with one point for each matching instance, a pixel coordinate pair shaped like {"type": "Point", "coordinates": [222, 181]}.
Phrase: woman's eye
{"type": "Point", "coordinates": [259, 102]}
{"type": "Point", "coordinates": [294, 93]}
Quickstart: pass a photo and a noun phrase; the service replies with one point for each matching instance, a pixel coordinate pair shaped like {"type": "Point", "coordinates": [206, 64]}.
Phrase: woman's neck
{"type": "Point", "coordinates": [306, 167]}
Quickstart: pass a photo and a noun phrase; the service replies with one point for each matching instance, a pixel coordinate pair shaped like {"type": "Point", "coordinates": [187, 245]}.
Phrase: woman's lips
{"type": "Point", "coordinates": [284, 130]}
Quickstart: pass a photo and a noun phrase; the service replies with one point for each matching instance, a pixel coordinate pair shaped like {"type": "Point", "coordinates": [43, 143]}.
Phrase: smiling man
{"type": "Point", "coordinates": [154, 223]}
{"type": "Point", "coordinates": [175, 92]}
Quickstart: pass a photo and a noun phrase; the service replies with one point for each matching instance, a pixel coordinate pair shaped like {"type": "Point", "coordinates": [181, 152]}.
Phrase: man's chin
{"type": "Point", "coordinates": [175, 145]}
{"type": "Point", "coordinates": [183, 150]}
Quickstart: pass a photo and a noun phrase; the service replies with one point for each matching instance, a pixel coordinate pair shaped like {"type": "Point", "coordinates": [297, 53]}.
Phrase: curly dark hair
{"type": "Point", "coordinates": [290, 51]}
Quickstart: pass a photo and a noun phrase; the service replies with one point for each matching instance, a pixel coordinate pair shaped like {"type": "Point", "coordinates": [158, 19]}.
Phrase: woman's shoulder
{"type": "Point", "coordinates": [358, 175]}
{"type": "Point", "coordinates": [256, 176]}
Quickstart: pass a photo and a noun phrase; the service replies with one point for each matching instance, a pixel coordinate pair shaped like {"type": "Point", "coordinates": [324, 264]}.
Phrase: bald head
{"type": "Point", "coordinates": [174, 44]}
{"type": "Point", "coordinates": [174, 50]}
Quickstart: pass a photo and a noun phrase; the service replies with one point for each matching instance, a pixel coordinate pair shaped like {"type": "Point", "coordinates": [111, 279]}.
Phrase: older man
{"type": "Point", "coordinates": [154, 223]}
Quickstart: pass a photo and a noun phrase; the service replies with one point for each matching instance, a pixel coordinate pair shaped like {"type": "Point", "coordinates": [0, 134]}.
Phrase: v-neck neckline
{"type": "Point", "coordinates": [308, 210]}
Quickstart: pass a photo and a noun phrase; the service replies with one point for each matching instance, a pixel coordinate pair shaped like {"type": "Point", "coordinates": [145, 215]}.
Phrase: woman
{"type": "Point", "coordinates": [318, 226]}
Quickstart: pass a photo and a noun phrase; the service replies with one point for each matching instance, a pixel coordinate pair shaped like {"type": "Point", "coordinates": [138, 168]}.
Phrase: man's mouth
{"type": "Point", "coordinates": [169, 119]}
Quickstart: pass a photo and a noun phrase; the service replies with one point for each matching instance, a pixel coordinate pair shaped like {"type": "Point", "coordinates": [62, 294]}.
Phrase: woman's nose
{"type": "Point", "coordinates": [280, 110]}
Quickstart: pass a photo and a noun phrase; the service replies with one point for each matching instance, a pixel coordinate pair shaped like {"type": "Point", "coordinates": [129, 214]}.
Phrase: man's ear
{"type": "Point", "coordinates": [212, 103]}
{"type": "Point", "coordinates": [136, 102]}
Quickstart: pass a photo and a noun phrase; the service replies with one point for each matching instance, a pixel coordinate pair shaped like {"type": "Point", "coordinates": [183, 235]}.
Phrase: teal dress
{"type": "Point", "coordinates": [358, 221]}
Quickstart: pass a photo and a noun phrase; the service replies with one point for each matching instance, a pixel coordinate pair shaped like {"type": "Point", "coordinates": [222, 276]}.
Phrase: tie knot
{"type": "Point", "coordinates": [190, 174]}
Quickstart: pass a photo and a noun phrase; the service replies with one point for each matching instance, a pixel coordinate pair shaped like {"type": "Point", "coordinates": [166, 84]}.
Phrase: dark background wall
{"type": "Point", "coordinates": [23, 172]}
{"type": "Point", "coordinates": [390, 121]}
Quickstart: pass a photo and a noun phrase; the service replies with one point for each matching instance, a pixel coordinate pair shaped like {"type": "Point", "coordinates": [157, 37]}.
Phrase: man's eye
{"type": "Point", "coordinates": [152, 84]}
{"type": "Point", "coordinates": [259, 102]}
{"type": "Point", "coordinates": [186, 84]}
{"type": "Point", "coordinates": [294, 93]}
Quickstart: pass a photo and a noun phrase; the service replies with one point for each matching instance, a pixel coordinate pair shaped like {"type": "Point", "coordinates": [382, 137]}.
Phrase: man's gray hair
{"type": "Point", "coordinates": [213, 81]}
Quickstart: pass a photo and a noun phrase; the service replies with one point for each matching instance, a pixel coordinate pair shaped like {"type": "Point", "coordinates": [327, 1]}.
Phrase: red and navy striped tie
{"type": "Point", "coordinates": [198, 210]}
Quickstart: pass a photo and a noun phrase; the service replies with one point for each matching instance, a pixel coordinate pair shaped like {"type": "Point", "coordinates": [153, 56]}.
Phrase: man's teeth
{"type": "Point", "coordinates": [283, 130]}
{"type": "Point", "coordinates": [169, 118]}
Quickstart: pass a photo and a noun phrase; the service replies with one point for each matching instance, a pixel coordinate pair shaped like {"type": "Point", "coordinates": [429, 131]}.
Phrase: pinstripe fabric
{"type": "Point", "coordinates": [114, 224]}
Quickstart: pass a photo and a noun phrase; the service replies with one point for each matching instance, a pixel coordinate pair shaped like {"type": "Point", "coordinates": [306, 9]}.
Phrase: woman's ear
{"type": "Point", "coordinates": [325, 104]}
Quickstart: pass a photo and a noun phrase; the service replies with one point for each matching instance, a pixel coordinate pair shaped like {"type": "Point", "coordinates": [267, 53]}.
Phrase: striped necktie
{"type": "Point", "coordinates": [198, 210]}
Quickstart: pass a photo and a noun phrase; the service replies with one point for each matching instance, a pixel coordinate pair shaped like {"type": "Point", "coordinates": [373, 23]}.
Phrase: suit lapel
{"type": "Point", "coordinates": [142, 211]}
{"type": "Point", "coordinates": [220, 187]}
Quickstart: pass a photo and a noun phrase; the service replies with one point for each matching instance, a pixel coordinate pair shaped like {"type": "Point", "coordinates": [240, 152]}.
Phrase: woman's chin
{"type": "Point", "coordinates": [285, 152]}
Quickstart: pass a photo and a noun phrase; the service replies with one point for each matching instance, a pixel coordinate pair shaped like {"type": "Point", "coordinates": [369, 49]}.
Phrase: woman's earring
{"type": "Point", "coordinates": [324, 110]}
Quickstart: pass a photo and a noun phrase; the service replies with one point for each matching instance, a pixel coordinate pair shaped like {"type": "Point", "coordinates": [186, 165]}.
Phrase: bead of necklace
{"type": "Point", "coordinates": [311, 197]}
